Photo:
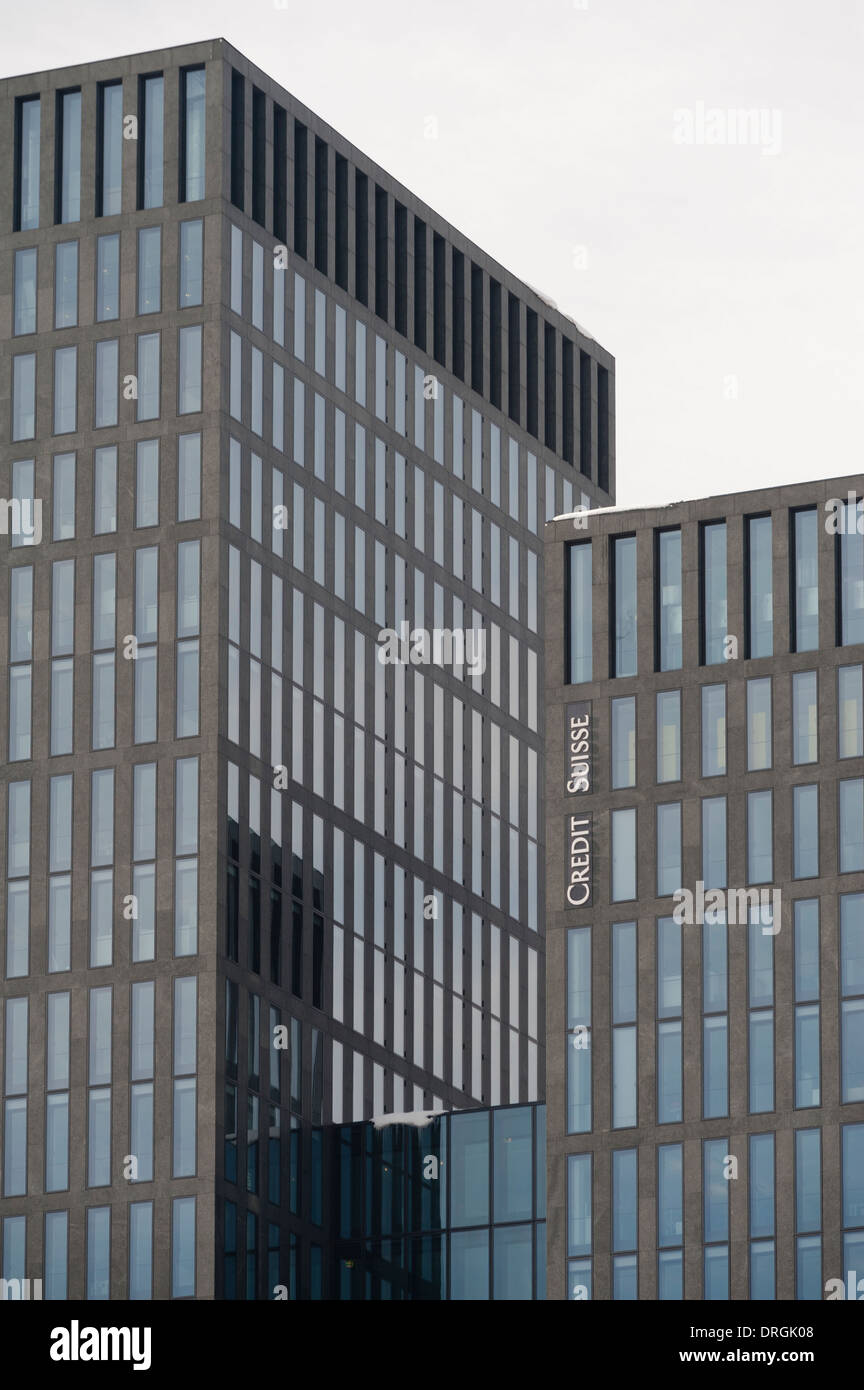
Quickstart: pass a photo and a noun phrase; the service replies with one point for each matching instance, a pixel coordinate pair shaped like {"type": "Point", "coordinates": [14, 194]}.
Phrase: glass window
{"type": "Point", "coordinates": [715, 1188]}
{"type": "Point", "coordinates": [761, 1184]}
{"type": "Point", "coordinates": [469, 1265]}
{"type": "Point", "coordinates": [579, 1026]}
{"type": "Point", "coordinates": [715, 1066]}
{"type": "Point", "coordinates": [194, 105]}
{"type": "Point", "coordinates": [760, 586]}
{"type": "Point", "coordinates": [851, 825]}
{"type": "Point", "coordinates": [668, 848]}
{"type": "Point", "coordinates": [623, 831]}
{"type": "Point", "coordinates": [65, 390]}
{"type": "Point", "coordinates": [66, 285]}
{"type": "Point", "coordinates": [512, 1160]}
{"type": "Point", "coordinates": [761, 1061]}
{"type": "Point", "coordinates": [151, 140]}
{"type": "Point", "coordinates": [148, 376]}
{"type": "Point", "coordinates": [189, 391]}
{"type": "Point", "coordinates": [64, 497]}
{"type": "Point", "coordinates": [714, 842]}
{"type": "Point", "coordinates": [851, 544]}
{"type": "Point", "coordinates": [669, 735]}
{"type": "Point", "coordinates": [98, 1252]}
{"type": "Point", "coordinates": [191, 263]}
{"type": "Point", "coordinates": [105, 490]}
{"type": "Point", "coordinates": [580, 603]}
{"type": "Point", "coordinates": [147, 483]}
{"type": "Point", "coordinates": [850, 724]}
{"type": "Point", "coordinates": [624, 1199]}
{"type": "Point", "coordinates": [670, 1195]}
{"type": "Point", "coordinates": [183, 1247]}
{"type": "Point", "coordinates": [469, 1179]}
{"type": "Point", "coordinates": [149, 270]}
{"type": "Point", "coordinates": [808, 1179]}
{"type": "Point", "coordinates": [70, 156]}
{"type": "Point", "coordinates": [804, 717]}
{"type": "Point", "coordinates": [805, 542]}
{"type": "Point", "coordinates": [714, 621]}
{"type": "Point", "coordinates": [760, 857]}
{"type": "Point", "coordinates": [27, 211]}
{"type": "Point", "coordinates": [189, 477]}
{"type": "Point", "coordinates": [670, 625]}
{"type": "Point", "coordinates": [25, 291]}
{"type": "Point", "coordinates": [759, 741]}
{"type": "Point", "coordinates": [110, 172]}
{"type": "Point", "coordinates": [24, 396]}
{"type": "Point", "coordinates": [713, 730]}
{"type": "Point", "coordinates": [579, 1204]}
{"type": "Point", "coordinates": [107, 381]}
{"type": "Point", "coordinates": [625, 626]}
{"type": "Point", "coordinates": [805, 831]}
{"type": "Point", "coordinates": [107, 277]}
{"type": "Point", "coordinates": [624, 742]}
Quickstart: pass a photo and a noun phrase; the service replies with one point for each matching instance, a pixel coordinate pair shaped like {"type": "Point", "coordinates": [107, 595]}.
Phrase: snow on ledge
{"type": "Point", "coordinates": [420, 1119]}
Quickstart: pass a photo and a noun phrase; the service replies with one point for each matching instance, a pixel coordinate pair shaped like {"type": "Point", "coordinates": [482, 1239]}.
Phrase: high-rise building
{"type": "Point", "coordinates": [705, 897]}
{"type": "Point", "coordinates": [278, 445]}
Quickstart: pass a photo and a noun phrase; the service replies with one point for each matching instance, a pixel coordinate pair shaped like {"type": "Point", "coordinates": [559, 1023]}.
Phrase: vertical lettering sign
{"type": "Point", "coordinates": [579, 746]}
{"type": "Point", "coordinates": [578, 860]}
{"type": "Point", "coordinates": [579, 780]}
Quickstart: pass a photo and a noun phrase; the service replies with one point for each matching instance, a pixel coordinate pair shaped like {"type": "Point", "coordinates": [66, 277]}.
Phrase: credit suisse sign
{"type": "Point", "coordinates": [579, 779]}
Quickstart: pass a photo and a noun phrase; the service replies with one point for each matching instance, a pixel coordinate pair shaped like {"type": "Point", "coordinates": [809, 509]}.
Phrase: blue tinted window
{"type": "Point", "coordinates": [669, 1102]}
{"type": "Point", "coordinates": [668, 848]}
{"type": "Point", "coordinates": [28, 155]}
{"type": "Point", "coordinates": [469, 1176]}
{"type": "Point", "coordinates": [623, 828]}
{"type": "Point", "coordinates": [805, 831]}
{"type": "Point", "coordinates": [624, 1200]}
{"type": "Point", "coordinates": [25, 291]}
{"type": "Point", "coordinates": [670, 1195]}
{"type": "Point", "coordinates": [469, 1265]}
{"type": "Point", "coordinates": [761, 1061]}
{"type": "Point", "coordinates": [512, 1150]}
{"type": "Point", "coordinates": [808, 1179]}
{"type": "Point", "coordinates": [761, 1184]}
{"type": "Point", "coordinates": [716, 1273]}
{"type": "Point", "coordinates": [579, 1204]}
{"type": "Point", "coordinates": [70, 157]}
{"type": "Point", "coordinates": [624, 742]}
{"type": "Point", "coordinates": [669, 583]}
{"type": "Point", "coordinates": [714, 621]}
{"type": "Point", "coordinates": [808, 1268]}
{"type": "Point", "coordinates": [111, 169]}
{"type": "Point", "coordinates": [625, 629]}
{"type": "Point", "coordinates": [713, 730]}
{"type": "Point", "coordinates": [580, 605]}
{"type": "Point", "coordinates": [759, 750]}
{"type": "Point", "coordinates": [804, 717]}
{"type": "Point", "coordinates": [761, 589]}
{"type": "Point", "coordinates": [851, 825]}
{"type": "Point", "coordinates": [850, 712]}
{"type": "Point", "coordinates": [715, 1064]}
{"type": "Point", "coordinates": [511, 1263]}
{"type": "Point", "coordinates": [851, 577]}
{"type": "Point", "coordinates": [762, 1270]}
{"type": "Point", "coordinates": [669, 736]}
{"type": "Point", "coordinates": [760, 857]}
{"type": "Point", "coordinates": [670, 1275]}
{"type": "Point", "coordinates": [714, 842]}
{"type": "Point", "coordinates": [98, 1252]}
{"type": "Point", "coordinates": [715, 1187]}
{"type": "Point", "coordinates": [151, 142]}
{"type": "Point", "coordinates": [806, 544]}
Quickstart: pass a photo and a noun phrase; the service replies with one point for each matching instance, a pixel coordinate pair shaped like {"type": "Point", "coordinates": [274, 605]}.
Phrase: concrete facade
{"type": "Point", "coordinates": [738, 1124]}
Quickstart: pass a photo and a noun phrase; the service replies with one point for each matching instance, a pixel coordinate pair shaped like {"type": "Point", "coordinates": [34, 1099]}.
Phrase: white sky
{"type": "Point", "coordinates": [726, 281]}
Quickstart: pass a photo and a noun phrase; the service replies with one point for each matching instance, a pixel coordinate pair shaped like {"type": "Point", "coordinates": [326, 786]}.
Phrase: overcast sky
{"type": "Point", "coordinates": [588, 146]}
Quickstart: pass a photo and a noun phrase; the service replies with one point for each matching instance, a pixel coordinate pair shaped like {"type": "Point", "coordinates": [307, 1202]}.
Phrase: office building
{"type": "Point", "coordinates": [705, 897]}
{"type": "Point", "coordinates": [264, 418]}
